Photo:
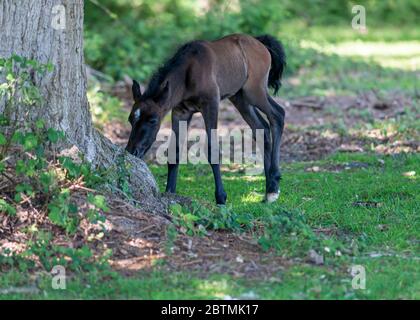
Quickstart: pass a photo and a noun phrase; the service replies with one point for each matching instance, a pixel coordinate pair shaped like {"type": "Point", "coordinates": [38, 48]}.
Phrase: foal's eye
{"type": "Point", "coordinates": [153, 121]}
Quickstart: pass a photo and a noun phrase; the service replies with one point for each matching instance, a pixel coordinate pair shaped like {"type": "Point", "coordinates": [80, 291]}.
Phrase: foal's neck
{"type": "Point", "coordinates": [176, 92]}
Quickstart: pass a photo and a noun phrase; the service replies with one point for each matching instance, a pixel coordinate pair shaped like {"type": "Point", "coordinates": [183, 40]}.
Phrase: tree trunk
{"type": "Point", "coordinates": [51, 31]}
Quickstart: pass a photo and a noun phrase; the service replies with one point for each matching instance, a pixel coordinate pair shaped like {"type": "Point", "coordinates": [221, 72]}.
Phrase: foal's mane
{"type": "Point", "coordinates": [177, 60]}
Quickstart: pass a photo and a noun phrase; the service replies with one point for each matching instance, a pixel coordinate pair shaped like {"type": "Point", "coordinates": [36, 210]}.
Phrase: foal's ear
{"type": "Point", "coordinates": [136, 90]}
{"type": "Point", "coordinates": [163, 94]}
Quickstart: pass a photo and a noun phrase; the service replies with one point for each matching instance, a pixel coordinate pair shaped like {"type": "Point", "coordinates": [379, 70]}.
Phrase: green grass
{"type": "Point", "coordinates": [403, 55]}
{"type": "Point", "coordinates": [326, 61]}
{"type": "Point", "coordinates": [344, 32]}
{"type": "Point", "coordinates": [327, 198]}
{"type": "Point", "coordinates": [391, 278]}
{"type": "Point", "coordinates": [350, 68]}
{"type": "Point", "coordinates": [384, 239]}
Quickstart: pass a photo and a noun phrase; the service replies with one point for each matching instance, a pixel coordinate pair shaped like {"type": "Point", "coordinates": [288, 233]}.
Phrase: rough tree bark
{"type": "Point", "coordinates": [51, 31]}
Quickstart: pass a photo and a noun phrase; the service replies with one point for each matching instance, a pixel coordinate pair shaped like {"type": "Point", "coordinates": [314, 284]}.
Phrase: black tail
{"type": "Point", "coordinates": [278, 60]}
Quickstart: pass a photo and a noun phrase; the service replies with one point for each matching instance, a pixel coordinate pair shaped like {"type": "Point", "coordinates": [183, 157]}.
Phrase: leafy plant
{"type": "Point", "coordinates": [196, 219]}
{"type": "Point", "coordinates": [41, 181]}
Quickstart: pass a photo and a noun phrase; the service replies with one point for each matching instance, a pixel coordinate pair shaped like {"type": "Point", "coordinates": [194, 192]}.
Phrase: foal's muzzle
{"type": "Point", "coordinates": [137, 152]}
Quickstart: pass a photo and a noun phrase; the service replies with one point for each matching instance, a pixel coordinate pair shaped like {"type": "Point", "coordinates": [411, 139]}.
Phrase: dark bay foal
{"type": "Point", "coordinates": [201, 74]}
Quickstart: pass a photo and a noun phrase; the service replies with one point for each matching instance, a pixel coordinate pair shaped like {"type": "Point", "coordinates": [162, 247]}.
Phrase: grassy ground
{"type": "Point", "coordinates": [368, 204]}
{"type": "Point", "coordinates": [329, 200]}
{"type": "Point", "coordinates": [374, 210]}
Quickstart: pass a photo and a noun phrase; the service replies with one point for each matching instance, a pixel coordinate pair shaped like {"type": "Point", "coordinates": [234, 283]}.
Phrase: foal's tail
{"type": "Point", "coordinates": [278, 60]}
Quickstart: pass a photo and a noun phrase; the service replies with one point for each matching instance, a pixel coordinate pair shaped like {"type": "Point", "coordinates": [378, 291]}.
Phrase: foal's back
{"type": "Point", "coordinates": [232, 62]}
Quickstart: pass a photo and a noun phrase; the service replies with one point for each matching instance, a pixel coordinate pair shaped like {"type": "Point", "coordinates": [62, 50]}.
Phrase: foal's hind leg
{"type": "Point", "coordinates": [255, 121]}
{"type": "Point", "coordinates": [275, 114]}
{"type": "Point", "coordinates": [178, 115]}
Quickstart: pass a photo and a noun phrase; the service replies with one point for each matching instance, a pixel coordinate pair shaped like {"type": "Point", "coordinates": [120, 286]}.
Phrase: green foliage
{"type": "Point", "coordinates": [286, 232]}
{"type": "Point", "coordinates": [29, 94]}
{"type": "Point", "coordinates": [41, 178]}
{"type": "Point", "coordinates": [7, 207]}
{"type": "Point", "coordinates": [289, 225]}
{"type": "Point", "coordinates": [196, 219]}
{"type": "Point", "coordinates": [73, 259]}
{"type": "Point", "coordinates": [123, 175]}
{"type": "Point", "coordinates": [77, 170]}
{"type": "Point", "coordinates": [3, 139]}
{"type": "Point", "coordinates": [103, 106]}
{"type": "Point", "coordinates": [19, 94]}
{"type": "Point", "coordinates": [141, 34]}
{"type": "Point", "coordinates": [319, 201]}
{"type": "Point", "coordinates": [99, 205]}
{"type": "Point", "coordinates": [283, 231]}
{"type": "Point", "coordinates": [63, 212]}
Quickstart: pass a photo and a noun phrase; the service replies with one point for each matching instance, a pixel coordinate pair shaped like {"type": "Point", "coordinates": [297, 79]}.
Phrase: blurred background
{"type": "Point", "coordinates": [338, 77]}
{"type": "Point", "coordinates": [133, 36]}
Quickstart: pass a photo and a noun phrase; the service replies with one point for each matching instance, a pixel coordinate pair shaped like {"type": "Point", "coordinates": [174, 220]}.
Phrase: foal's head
{"type": "Point", "coordinates": [145, 118]}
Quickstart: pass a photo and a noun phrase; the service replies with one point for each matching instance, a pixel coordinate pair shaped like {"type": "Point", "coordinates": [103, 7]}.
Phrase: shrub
{"type": "Point", "coordinates": [40, 193]}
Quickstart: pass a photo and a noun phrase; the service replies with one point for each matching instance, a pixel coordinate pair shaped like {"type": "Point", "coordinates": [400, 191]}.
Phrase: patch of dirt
{"type": "Point", "coordinates": [349, 110]}
{"type": "Point", "coordinates": [139, 245]}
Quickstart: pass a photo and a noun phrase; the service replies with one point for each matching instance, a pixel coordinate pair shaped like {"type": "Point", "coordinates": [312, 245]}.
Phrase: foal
{"type": "Point", "coordinates": [202, 73]}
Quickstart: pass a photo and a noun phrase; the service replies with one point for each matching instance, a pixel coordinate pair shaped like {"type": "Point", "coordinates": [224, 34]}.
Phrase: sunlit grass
{"type": "Point", "coordinates": [344, 32]}
{"type": "Point", "coordinates": [252, 197]}
{"type": "Point", "coordinates": [325, 197]}
{"type": "Point", "coordinates": [403, 55]}
{"type": "Point", "coordinates": [218, 288]}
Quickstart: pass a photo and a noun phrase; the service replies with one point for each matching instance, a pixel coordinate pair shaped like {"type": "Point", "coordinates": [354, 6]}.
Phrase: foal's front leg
{"type": "Point", "coordinates": [178, 115]}
{"type": "Point", "coordinates": [210, 114]}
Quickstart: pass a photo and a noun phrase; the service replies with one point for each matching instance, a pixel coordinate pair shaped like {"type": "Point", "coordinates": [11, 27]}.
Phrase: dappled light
{"type": "Point", "coordinates": [397, 55]}
{"type": "Point", "coordinates": [218, 288]}
{"type": "Point", "coordinates": [252, 197]}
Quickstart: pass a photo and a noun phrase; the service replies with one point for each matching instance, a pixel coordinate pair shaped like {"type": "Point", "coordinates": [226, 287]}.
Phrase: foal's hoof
{"type": "Point", "coordinates": [221, 198]}
{"type": "Point", "coordinates": [271, 197]}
